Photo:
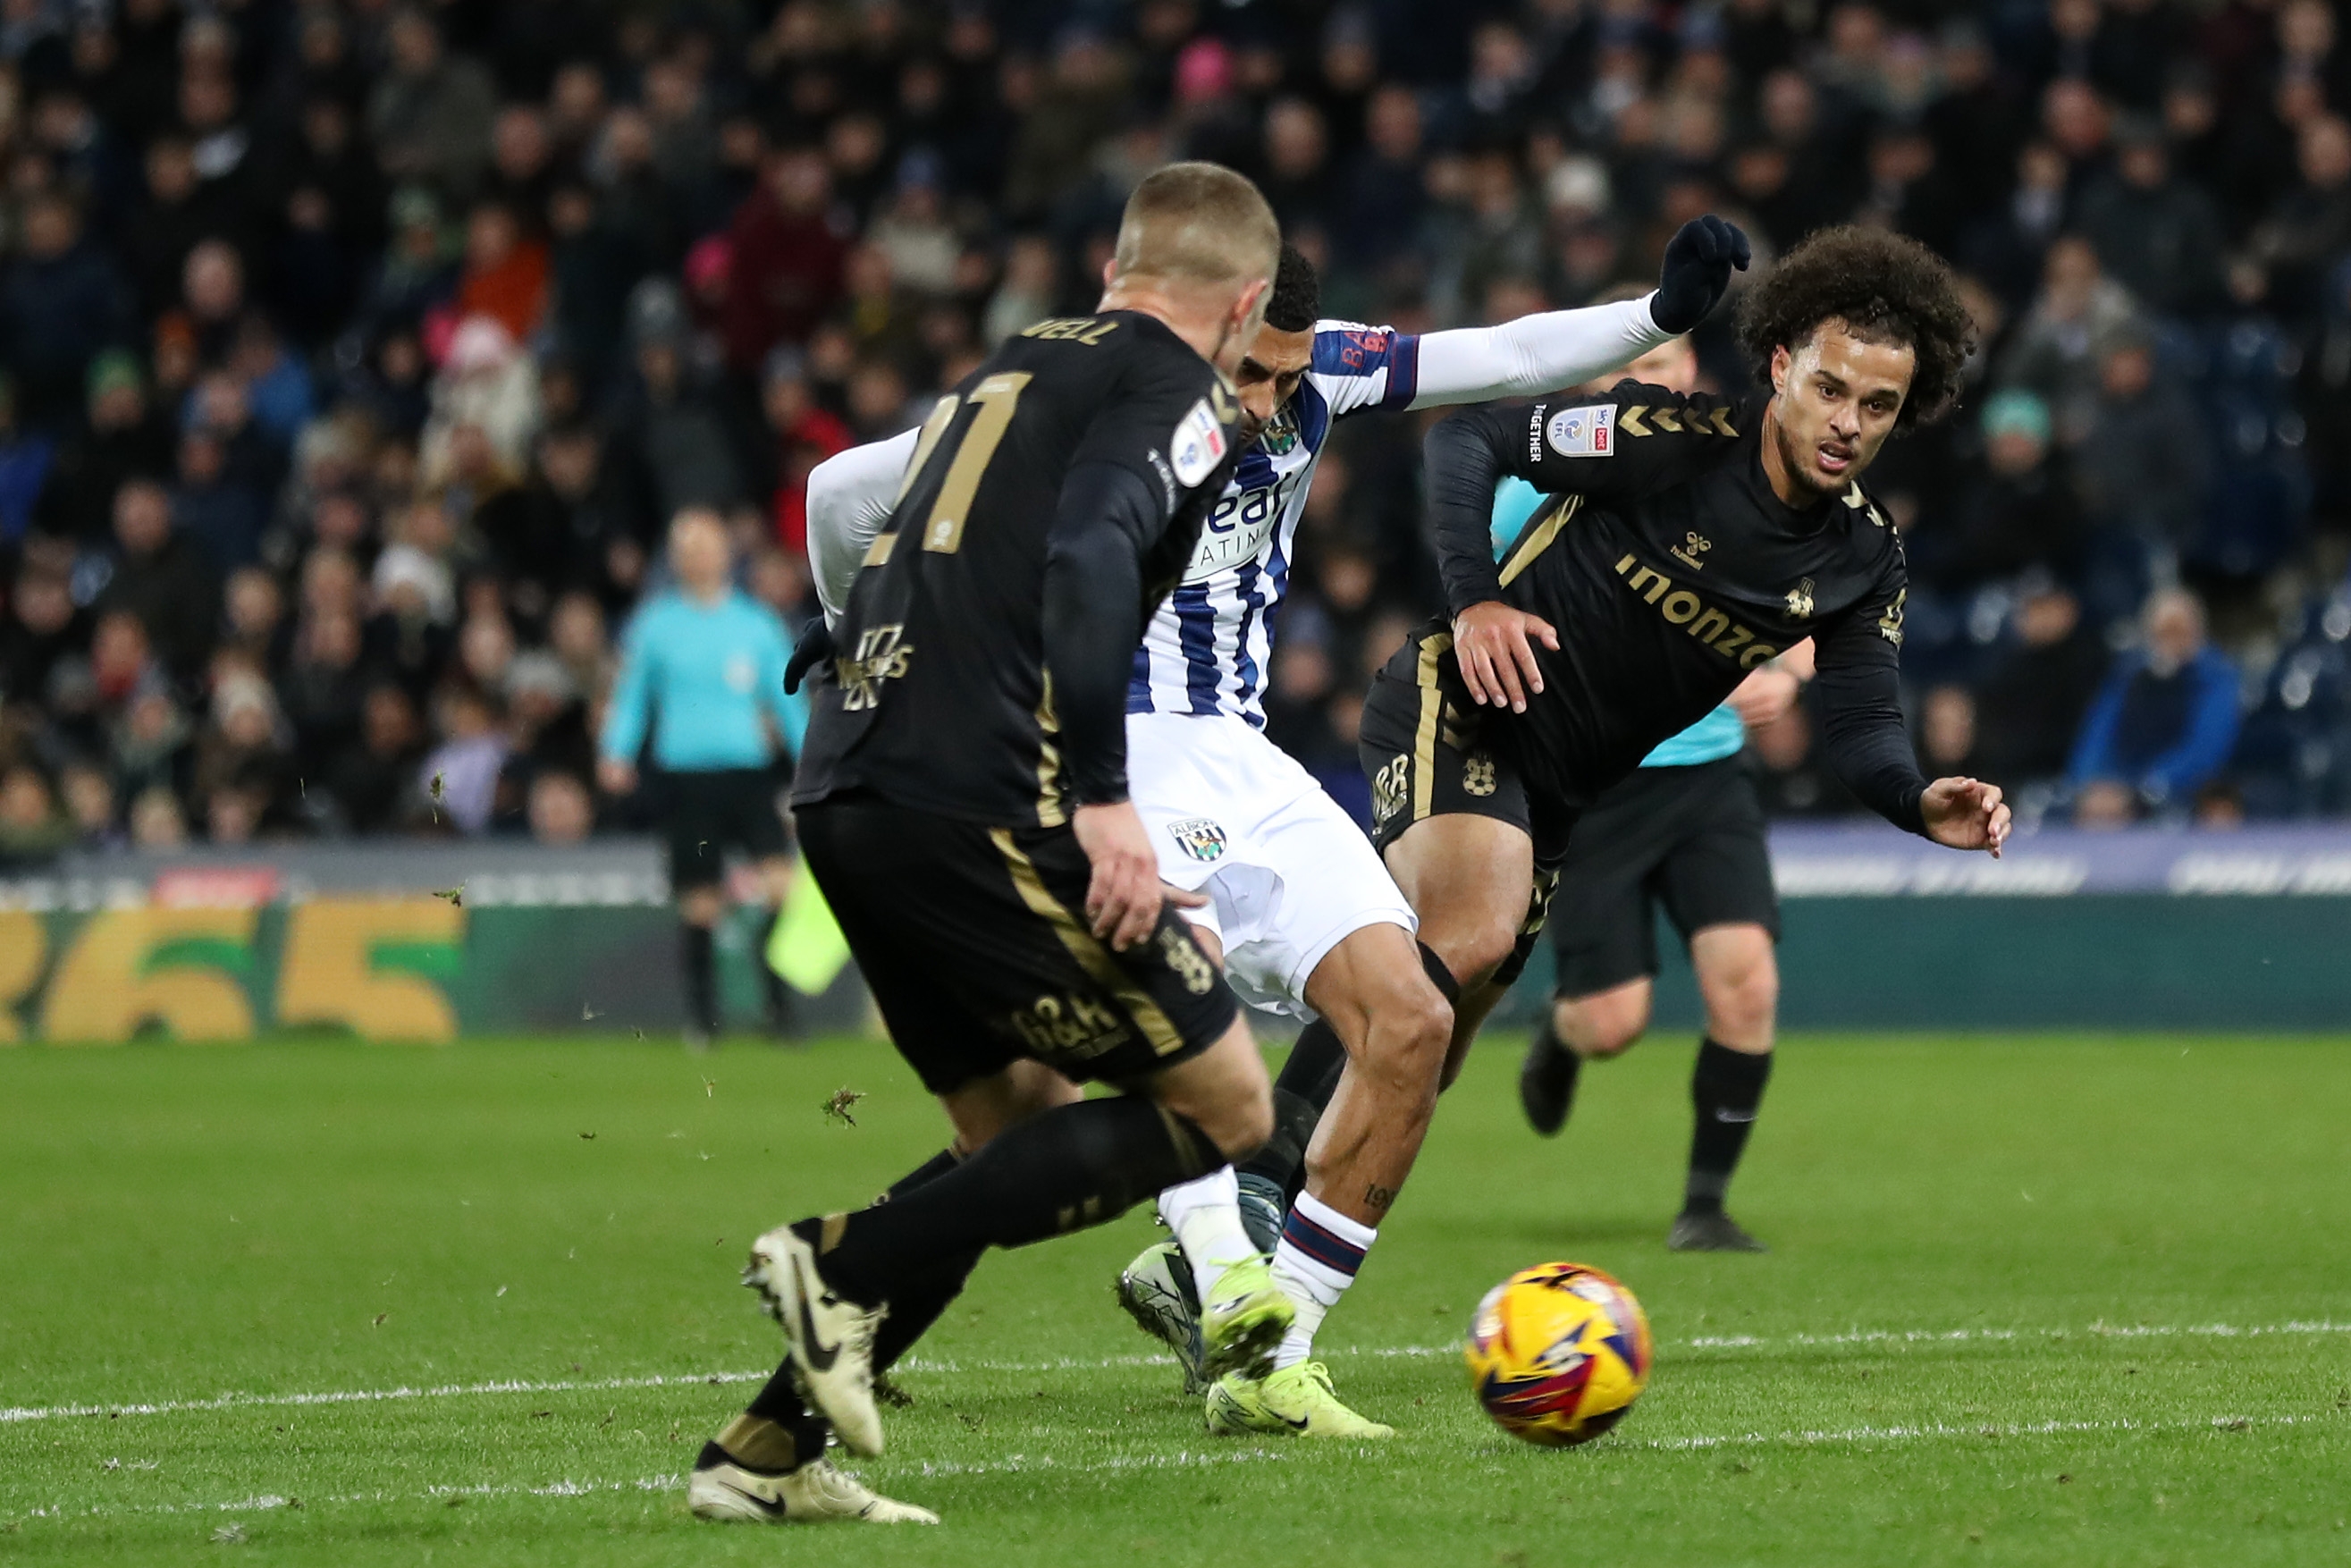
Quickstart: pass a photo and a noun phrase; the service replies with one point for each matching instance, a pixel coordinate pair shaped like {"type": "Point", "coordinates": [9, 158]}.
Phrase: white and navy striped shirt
{"type": "Point", "coordinates": [1210, 647]}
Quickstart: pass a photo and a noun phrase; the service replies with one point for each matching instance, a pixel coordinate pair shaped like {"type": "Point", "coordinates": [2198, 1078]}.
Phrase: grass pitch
{"type": "Point", "coordinates": [2047, 1301]}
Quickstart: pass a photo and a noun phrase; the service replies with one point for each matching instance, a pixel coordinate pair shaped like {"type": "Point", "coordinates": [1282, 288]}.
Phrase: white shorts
{"type": "Point", "coordinates": [1288, 875]}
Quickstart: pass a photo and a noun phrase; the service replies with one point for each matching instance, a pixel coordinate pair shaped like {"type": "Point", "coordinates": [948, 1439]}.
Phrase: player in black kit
{"type": "Point", "coordinates": [962, 801]}
{"type": "Point", "coordinates": [1689, 540]}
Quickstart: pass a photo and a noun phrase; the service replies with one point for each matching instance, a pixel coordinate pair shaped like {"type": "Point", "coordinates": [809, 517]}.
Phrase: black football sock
{"type": "Point", "coordinates": [1305, 1085]}
{"type": "Point", "coordinates": [1571, 1064]}
{"type": "Point", "coordinates": [698, 960]}
{"type": "Point", "coordinates": [778, 992]}
{"type": "Point", "coordinates": [777, 1431]}
{"type": "Point", "coordinates": [1059, 1172]}
{"type": "Point", "coordinates": [1724, 1089]}
{"type": "Point", "coordinates": [918, 1304]}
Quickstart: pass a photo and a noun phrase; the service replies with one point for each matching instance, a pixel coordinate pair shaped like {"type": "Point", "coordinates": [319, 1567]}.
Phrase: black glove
{"type": "Point", "coordinates": [1698, 260]}
{"type": "Point", "coordinates": [814, 647]}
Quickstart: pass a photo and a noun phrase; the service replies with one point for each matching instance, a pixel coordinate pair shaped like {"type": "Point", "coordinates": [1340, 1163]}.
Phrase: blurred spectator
{"type": "Point", "coordinates": [2016, 512]}
{"type": "Point", "coordinates": [1794, 777]}
{"type": "Point", "coordinates": [241, 775]}
{"type": "Point", "coordinates": [667, 418]}
{"type": "Point", "coordinates": [561, 809]}
{"type": "Point", "coordinates": [430, 114]}
{"type": "Point", "coordinates": [1948, 740]}
{"type": "Point", "coordinates": [2157, 235]}
{"type": "Point", "coordinates": [124, 438]}
{"type": "Point", "coordinates": [2163, 723]}
{"type": "Point", "coordinates": [60, 302]}
{"type": "Point", "coordinates": [2031, 703]}
{"type": "Point", "coordinates": [787, 258]}
{"type": "Point", "coordinates": [32, 828]}
{"type": "Point", "coordinates": [1030, 289]}
{"type": "Point", "coordinates": [375, 783]}
{"type": "Point", "coordinates": [160, 577]}
{"type": "Point", "coordinates": [504, 274]}
{"type": "Point", "coordinates": [806, 434]}
{"type": "Point", "coordinates": [89, 797]}
{"type": "Point", "coordinates": [26, 458]}
{"type": "Point", "coordinates": [2311, 224]}
{"type": "Point", "coordinates": [487, 385]}
{"type": "Point", "coordinates": [2056, 352]}
{"type": "Point", "coordinates": [2144, 463]}
{"type": "Point", "coordinates": [460, 775]}
{"type": "Point", "coordinates": [45, 627]}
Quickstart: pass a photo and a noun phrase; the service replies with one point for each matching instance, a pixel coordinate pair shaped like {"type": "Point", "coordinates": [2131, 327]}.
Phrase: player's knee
{"type": "Point", "coordinates": [1741, 1004]}
{"type": "Point", "coordinates": [1239, 1125]}
{"type": "Point", "coordinates": [1602, 1027]}
{"type": "Point", "coordinates": [1474, 949]}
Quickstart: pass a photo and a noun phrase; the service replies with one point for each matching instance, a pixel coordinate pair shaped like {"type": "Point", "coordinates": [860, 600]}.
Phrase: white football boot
{"type": "Point", "coordinates": [830, 1336]}
{"type": "Point", "coordinates": [1156, 1292]}
{"type": "Point", "coordinates": [814, 1493]}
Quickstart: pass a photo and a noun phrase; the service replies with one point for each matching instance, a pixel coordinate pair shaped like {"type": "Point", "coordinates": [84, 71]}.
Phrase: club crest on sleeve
{"type": "Point", "coordinates": [1587, 432]}
{"type": "Point", "coordinates": [1197, 445]}
{"type": "Point", "coordinates": [1198, 837]}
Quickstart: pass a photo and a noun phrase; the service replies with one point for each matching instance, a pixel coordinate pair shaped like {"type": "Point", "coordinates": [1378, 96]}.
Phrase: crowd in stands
{"type": "Point", "coordinates": [356, 353]}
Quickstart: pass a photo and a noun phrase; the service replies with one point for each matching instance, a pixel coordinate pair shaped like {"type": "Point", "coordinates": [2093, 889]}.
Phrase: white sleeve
{"type": "Point", "coordinates": [850, 496]}
{"type": "Point", "coordinates": [1534, 354]}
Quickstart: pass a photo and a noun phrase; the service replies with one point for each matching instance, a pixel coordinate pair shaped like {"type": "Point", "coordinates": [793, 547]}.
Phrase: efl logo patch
{"type": "Point", "coordinates": [1197, 445]}
{"type": "Point", "coordinates": [1589, 431]}
{"type": "Point", "coordinates": [1199, 837]}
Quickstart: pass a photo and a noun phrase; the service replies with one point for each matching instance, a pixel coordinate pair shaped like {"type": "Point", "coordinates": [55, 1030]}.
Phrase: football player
{"type": "Point", "coordinates": [1299, 911]}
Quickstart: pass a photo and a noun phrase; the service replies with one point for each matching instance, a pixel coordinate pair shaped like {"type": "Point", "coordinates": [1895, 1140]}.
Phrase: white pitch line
{"type": "Point", "coordinates": [373, 1395]}
{"type": "Point", "coordinates": [1939, 1431]}
{"type": "Point", "coordinates": [265, 1502]}
{"type": "Point", "coordinates": [1023, 1463]}
{"type": "Point", "coordinates": [1097, 1363]}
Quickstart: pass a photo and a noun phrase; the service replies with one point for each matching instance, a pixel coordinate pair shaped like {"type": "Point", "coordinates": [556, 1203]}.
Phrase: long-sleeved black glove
{"type": "Point", "coordinates": [814, 647]}
{"type": "Point", "coordinates": [1699, 262]}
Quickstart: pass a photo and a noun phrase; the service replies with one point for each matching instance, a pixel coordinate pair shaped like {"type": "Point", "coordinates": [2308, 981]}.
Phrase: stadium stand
{"type": "Point", "coordinates": [356, 355]}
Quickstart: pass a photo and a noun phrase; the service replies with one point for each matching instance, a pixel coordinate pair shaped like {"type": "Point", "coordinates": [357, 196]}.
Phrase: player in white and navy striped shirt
{"type": "Point", "coordinates": [1306, 918]}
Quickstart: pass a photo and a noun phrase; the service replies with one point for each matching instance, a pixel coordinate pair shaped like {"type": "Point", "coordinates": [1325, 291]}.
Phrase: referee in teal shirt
{"type": "Point", "coordinates": [702, 665]}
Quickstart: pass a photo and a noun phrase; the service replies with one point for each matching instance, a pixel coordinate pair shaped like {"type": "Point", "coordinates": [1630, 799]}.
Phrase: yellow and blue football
{"type": "Point", "coordinates": [1558, 1352]}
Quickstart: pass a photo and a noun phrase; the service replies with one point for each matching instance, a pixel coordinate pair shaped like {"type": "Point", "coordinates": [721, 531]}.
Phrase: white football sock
{"type": "Point", "coordinates": [1205, 1216]}
{"type": "Point", "coordinates": [1320, 1251]}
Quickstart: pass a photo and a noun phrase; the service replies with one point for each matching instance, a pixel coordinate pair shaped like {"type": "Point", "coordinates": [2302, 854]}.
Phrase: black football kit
{"type": "Point", "coordinates": [977, 695]}
{"type": "Point", "coordinates": [1670, 571]}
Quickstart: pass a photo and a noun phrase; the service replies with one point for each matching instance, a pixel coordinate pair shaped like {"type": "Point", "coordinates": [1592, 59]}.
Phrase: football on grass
{"type": "Point", "coordinates": [1558, 1352]}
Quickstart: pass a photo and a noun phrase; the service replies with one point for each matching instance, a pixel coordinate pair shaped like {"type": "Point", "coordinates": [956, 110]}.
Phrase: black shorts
{"type": "Point", "coordinates": [1429, 752]}
{"type": "Point", "coordinates": [1689, 839]}
{"type": "Point", "coordinates": [975, 943]}
{"type": "Point", "coordinates": [706, 812]}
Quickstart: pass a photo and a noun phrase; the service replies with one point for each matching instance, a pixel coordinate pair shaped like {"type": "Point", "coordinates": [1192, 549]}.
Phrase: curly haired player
{"type": "Point", "coordinates": [1685, 541]}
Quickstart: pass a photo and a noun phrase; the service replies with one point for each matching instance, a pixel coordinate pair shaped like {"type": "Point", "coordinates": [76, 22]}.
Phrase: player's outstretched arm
{"type": "Point", "coordinates": [850, 498]}
{"type": "Point", "coordinates": [1555, 349]}
{"type": "Point", "coordinates": [1859, 684]}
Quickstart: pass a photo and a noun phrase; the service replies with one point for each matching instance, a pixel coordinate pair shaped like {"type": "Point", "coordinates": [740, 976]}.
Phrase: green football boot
{"type": "Point", "coordinates": [1298, 1399]}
